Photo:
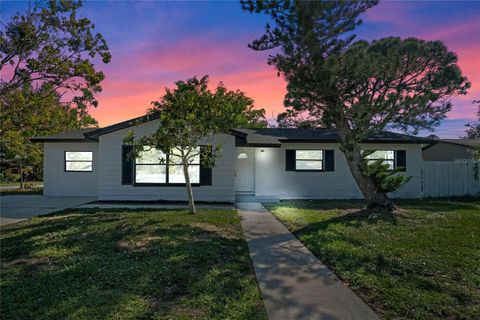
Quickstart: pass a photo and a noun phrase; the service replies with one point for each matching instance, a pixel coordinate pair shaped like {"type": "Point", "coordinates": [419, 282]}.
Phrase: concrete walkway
{"type": "Point", "coordinates": [293, 282]}
{"type": "Point", "coordinates": [15, 208]}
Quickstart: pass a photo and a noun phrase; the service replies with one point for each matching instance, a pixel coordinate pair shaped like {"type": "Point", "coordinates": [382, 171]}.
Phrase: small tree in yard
{"type": "Point", "coordinates": [359, 88]}
{"type": "Point", "coordinates": [191, 114]}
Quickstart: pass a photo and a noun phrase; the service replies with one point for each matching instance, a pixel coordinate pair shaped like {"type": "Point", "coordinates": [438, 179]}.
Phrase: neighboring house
{"type": "Point", "coordinates": [450, 149]}
{"type": "Point", "coordinates": [272, 162]}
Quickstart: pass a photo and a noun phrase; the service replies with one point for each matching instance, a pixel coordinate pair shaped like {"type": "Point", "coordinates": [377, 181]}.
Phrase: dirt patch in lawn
{"type": "Point", "coordinates": [34, 264]}
{"type": "Point", "coordinates": [214, 230]}
{"type": "Point", "coordinates": [137, 245]}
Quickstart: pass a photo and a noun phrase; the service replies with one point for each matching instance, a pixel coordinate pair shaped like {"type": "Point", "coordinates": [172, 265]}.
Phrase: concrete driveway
{"type": "Point", "coordinates": [20, 207]}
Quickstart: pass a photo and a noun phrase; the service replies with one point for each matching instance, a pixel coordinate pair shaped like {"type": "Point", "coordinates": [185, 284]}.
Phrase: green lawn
{"type": "Point", "coordinates": [12, 192]}
{"type": "Point", "coordinates": [17, 184]}
{"type": "Point", "coordinates": [105, 264]}
{"type": "Point", "coordinates": [422, 264]}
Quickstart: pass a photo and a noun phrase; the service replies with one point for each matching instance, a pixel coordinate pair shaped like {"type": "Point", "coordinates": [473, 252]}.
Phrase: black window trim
{"type": "Point", "coordinates": [166, 183]}
{"type": "Point", "coordinates": [310, 170]}
{"type": "Point", "coordinates": [65, 161]}
{"type": "Point", "coordinates": [385, 160]}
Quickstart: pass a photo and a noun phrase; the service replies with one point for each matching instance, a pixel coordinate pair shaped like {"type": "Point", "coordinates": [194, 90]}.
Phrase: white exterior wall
{"type": "Point", "coordinates": [58, 182]}
{"type": "Point", "coordinates": [271, 179]}
{"type": "Point", "coordinates": [110, 178]}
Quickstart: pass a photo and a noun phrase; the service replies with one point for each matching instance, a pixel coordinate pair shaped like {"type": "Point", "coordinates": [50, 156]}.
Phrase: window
{"type": "Point", "coordinates": [79, 161]}
{"type": "Point", "coordinates": [150, 166]}
{"type": "Point", "coordinates": [154, 166]}
{"type": "Point", "coordinates": [309, 160]}
{"type": "Point", "coordinates": [175, 168]}
{"type": "Point", "coordinates": [388, 157]}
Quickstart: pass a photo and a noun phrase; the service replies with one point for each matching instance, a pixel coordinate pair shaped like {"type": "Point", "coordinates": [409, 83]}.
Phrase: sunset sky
{"type": "Point", "coordinates": [154, 44]}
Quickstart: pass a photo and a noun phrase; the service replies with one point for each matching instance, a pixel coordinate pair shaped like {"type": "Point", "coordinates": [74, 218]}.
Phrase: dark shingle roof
{"type": "Point", "coordinates": [275, 136]}
{"type": "Point", "coordinates": [463, 142]}
{"type": "Point", "coordinates": [121, 125]}
{"type": "Point", "coordinates": [469, 143]}
{"type": "Point", "coordinates": [69, 136]}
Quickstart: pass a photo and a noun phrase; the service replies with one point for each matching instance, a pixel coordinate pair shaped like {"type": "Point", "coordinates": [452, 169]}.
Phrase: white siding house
{"type": "Point", "coordinates": [255, 162]}
{"type": "Point", "coordinates": [58, 181]}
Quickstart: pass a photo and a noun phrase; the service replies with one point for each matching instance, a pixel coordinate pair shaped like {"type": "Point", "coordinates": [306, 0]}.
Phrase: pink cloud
{"type": "Point", "coordinates": [150, 70]}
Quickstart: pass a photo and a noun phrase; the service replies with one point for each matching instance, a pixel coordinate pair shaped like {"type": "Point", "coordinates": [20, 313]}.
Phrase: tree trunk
{"type": "Point", "coordinates": [375, 198]}
{"type": "Point", "coordinates": [191, 203]}
{"type": "Point", "coordinates": [21, 177]}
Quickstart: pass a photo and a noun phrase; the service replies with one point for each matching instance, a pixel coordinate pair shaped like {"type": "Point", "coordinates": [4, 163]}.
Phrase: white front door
{"type": "Point", "coordinates": [244, 169]}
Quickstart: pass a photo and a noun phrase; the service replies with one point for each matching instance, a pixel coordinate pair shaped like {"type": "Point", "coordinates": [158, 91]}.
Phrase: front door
{"type": "Point", "coordinates": [244, 169]}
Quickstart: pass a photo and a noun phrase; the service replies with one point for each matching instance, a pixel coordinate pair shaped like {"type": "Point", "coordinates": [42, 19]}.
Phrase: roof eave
{"type": "Point", "coordinates": [40, 139]}
{"type": "Point", "coordinates": [94, 134]}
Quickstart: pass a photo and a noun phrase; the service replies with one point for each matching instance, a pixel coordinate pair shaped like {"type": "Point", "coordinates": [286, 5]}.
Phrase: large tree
{"type": "Point", "coordinates": [50, 43]}
{"type": "Point", "coordinates": [28, 112]}
{"type": "Point", "coordinates": [48, 77]}
{"type": "Point", "coordinates": [359, 88]}
{"type": "Point", "coordinates": [189, 115]}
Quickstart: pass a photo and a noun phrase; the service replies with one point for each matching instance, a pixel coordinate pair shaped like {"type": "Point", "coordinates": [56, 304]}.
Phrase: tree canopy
{"type": "Point", "coordinates": [189, 115]}
{"type": "Point", "coordinates": [360, 87]}
{"type": "Point", "coordinates": [29, 112]}
{"type": "Point", "coordinates": [473, 131]}
{"type": "Point", "coordinates": [50, 43]}
{"type": "Point", "coordinates": [48, 77]}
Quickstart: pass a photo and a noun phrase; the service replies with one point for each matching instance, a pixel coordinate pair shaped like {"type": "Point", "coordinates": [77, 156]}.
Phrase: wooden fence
{"type": "Point", "coordinates": [450, 178]}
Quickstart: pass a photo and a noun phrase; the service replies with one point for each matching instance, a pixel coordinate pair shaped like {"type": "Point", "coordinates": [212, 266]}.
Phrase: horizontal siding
{"type": "Point", "coordinates": [271, 179]}
{"type": "Point", "coordinates": [57, 182]}
{"type": "Point", "coordinates": [109, 182]}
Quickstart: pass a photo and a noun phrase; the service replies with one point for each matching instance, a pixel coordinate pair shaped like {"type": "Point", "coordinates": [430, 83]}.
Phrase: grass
{"type": "Point", "coordinates": [423, 263]}
{"type": "Point", "coordinates": [17, 183]}
{"type": "Point", "coordinates": [12, 192]}
{"type": "Point", "coordinates": [120, 264]}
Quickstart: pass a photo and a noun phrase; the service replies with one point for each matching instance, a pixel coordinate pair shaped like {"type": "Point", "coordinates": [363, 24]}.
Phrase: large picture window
{"type": "Point", "coordinates": [388, 157]}
{"type": "Point", "coordinates": [309, 160]}
{"type": "Point", "coordinates": [79, 161]}
{"type": "Point", "coordinates": [155, 167]}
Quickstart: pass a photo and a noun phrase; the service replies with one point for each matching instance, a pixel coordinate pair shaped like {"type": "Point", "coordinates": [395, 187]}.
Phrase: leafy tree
{"type": "Point", "coordinates": [473, 131]}
{"type": "Point", "coordinates": [294, 119]}
{"type": "Point", "coordinates": [359, 88]}
{"type": "Point", "coordinates": [384, 178]}
{"type": "Point", "coordinates": [29, 112]}
{"type": "Point", "coordinates": [49, 43]}
{"type": "Point", "coordinates": [190, 114]}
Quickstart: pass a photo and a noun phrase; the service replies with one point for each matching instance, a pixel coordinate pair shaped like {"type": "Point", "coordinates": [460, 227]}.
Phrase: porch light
{"type": "Point", "coordinates": [242, 155]}
{"type": "Point", "coordinates": [262, 151]}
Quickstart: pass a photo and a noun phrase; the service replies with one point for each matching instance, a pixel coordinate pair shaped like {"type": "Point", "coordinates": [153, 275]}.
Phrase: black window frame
{"type": "Point", "coordinates": [394, 160]}
{"type": "Point", "coordinates": [65, 161]}
{"type": "Point", "coordinates": [167, 174]}
{"type": "Point", "coordinates": [319, 160]}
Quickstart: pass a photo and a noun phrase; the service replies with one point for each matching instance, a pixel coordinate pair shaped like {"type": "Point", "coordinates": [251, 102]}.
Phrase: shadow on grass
{"type": "Point", "coordinates": [390, 259]}
{"type": "Point", "coordinates": [106, 264]}
{"type": "Point", "coordinates": [434, 204]}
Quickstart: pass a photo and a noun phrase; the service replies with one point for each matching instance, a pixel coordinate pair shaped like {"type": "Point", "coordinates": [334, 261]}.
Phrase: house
{"type": "Point", "coordinates": [450, 149]}
{"type": "Point", "coordinates": [271, 162]}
